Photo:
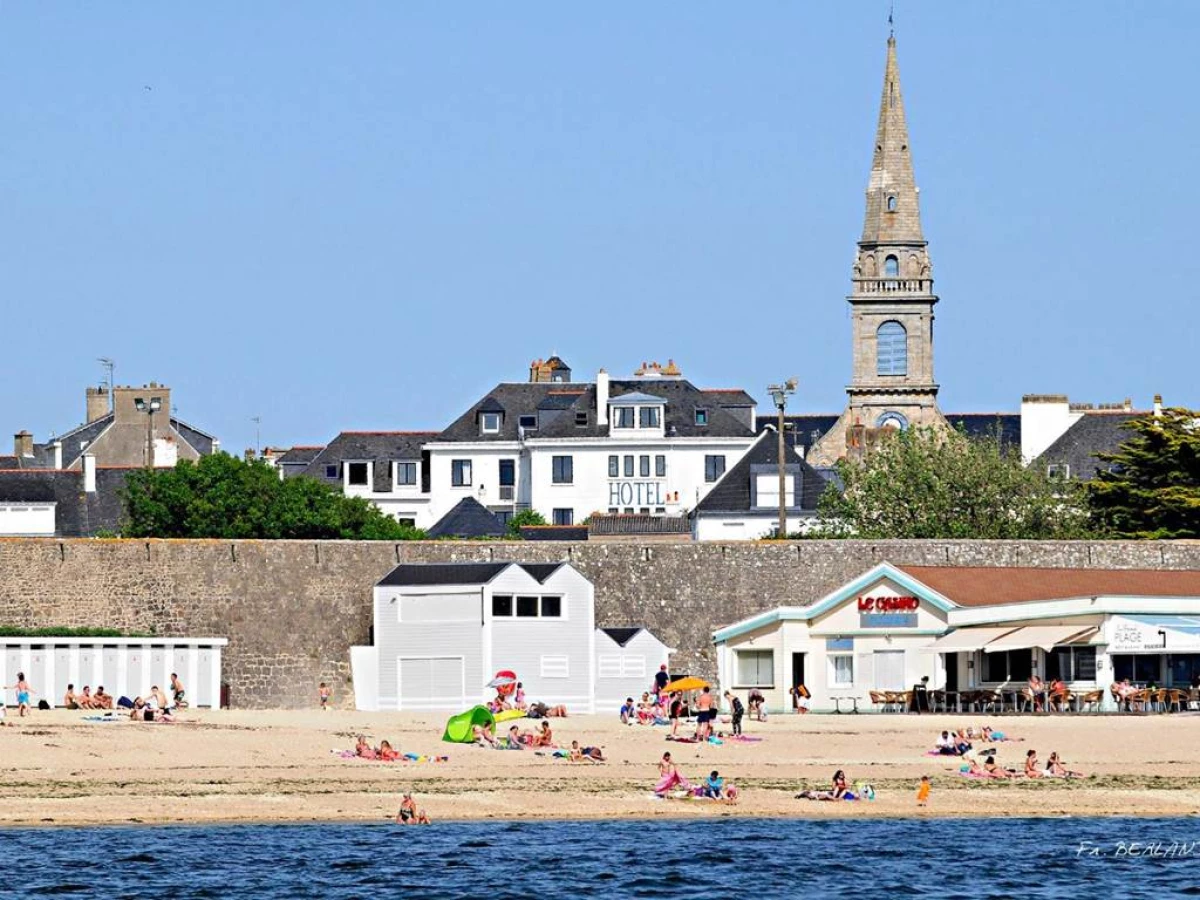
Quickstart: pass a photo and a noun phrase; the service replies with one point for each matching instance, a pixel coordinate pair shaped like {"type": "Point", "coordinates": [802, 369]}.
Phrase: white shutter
{"type": "Point", "coordinates": [634, 667]}
{"type": "Point", "coordinates": [610, 665]}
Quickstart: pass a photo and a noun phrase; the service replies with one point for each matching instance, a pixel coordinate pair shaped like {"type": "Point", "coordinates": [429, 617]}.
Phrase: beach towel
{"type": "Point", "coordinates": [745, 739]}
{"type": "Point", "coordinates": [672, 780]}
{"type": "Point", "coordinates": [682, 740]}
{"type": "Point", "coordinates": [109, 718]}
{"type": "Point", "coordinates": [975, 775]}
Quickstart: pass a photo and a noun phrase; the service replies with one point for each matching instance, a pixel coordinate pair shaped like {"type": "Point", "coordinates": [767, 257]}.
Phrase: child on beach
{"type": "Point", "coordinates": [923, 791]}
{"type": "Point", "coordinates": [23, 691]}
{"type": "Point", "coordinates": [323, 694]}
{"type": "Point", "coordinates": [737, 710]}
{"type": "Point", "coordinates": [628, 711]}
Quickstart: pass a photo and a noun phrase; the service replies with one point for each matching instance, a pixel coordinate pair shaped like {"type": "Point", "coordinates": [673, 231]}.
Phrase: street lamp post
{"type": "Point", "coordinates": [779, 393]}
{"type": "Point", "coordinates": [149, 407]}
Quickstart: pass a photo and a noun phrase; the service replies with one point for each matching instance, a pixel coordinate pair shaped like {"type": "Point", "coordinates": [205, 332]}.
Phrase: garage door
{"type": "Point", "coordinates": [430, 682]}
{"type": "Point", "coordinates": [889, 670]}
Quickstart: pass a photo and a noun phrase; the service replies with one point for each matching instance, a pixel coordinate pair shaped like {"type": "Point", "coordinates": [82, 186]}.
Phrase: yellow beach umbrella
{"type": "Point", "coordinates": [691, 683]}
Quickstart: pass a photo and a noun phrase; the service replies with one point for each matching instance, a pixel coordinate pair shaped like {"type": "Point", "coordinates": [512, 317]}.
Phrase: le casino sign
{"type": "Point", "coordinates": [887, 604]}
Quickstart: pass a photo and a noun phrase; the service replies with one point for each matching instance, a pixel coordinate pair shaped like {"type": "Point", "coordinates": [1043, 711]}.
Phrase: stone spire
{"type": "Point", "coordinates": [893, 214]}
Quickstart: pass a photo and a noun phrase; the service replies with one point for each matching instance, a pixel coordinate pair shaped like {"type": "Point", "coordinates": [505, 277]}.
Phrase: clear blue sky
{"type": "Point", "coordinates": [362, 215]}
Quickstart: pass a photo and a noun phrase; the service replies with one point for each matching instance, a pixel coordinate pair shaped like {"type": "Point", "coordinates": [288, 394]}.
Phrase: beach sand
{"type": "Point", "coordinates": [277, 766]}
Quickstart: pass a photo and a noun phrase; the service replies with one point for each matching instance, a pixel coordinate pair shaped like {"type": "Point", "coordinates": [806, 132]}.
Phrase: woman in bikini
{"type": "Point", "coordinates": [409, 814]}
{"type": "Point", "coordinates": [994, 771]}
{"type": "Point", "coordinates": [1055, 767]}
{"type": "Point", "coordinates": [1032, 770]}
{"type": "Point", "coordinates": [387, 753]}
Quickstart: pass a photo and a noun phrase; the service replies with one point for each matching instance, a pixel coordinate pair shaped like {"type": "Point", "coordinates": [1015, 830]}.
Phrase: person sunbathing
{"type": "Point", "coordinates": [70, 699]}
{"type": "Point", "coordinates": [86, 700]}
{"type": "Point", "coordinates": [838, 791]}
{"type": "Point", "coordinates": [545, 737]}
{"type": "Point", "coordinates": [363, 750]}
{"type": "Point", "coordinates": [102, 700]}
{"type": "Point", "coordinates": [1055, 768]}
{"type": "Point", "coordinates": [387, 753]}
{"type": "Point", "coordinates": [994, 771]}
{"type": "Point", "coordinates": [513, 741]}
{"type": "Point", "coordinates": [1032, 770]}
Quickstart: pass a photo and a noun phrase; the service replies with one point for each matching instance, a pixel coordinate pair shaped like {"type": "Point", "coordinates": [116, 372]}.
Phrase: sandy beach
{"type": "Point", "coordinates": [222, 766]}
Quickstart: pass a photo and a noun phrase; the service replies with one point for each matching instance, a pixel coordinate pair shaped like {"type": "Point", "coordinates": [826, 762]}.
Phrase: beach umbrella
{"type": "Point", "coordinates": [503, 679]}
{"type": "Point", "coordinates": [690, 683]}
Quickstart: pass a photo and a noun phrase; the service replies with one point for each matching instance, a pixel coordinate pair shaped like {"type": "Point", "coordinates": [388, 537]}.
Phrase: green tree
{"type": "Point", "coordinates": [524, 517]}
{"type": "Point", "coordinates": [222, 496]}
{"type": "Point", "coordinates": [929, 483]}
{"type": "Point", "coordinates": [1152, 486]}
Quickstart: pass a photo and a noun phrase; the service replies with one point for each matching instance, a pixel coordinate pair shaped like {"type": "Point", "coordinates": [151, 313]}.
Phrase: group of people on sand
{"type": "Point", "coordinates": [1053, 768]}
{"type": "Point", "coordinates": [85, 699]}
{"type": "Point", "coordinates": [960, 742]}
{"type": "Point", "coordinates": [540, 738]}
{"type": "Point", "coordinates": [838, 790]}
{"type": "Point", "coordinates": [671, 783]}
{"type": "Point", "coordinates": [155, 707]}
{"type": "Point", "coordinates": [384, 752]}
{"type": "Point", "coordinates": [535, 710]}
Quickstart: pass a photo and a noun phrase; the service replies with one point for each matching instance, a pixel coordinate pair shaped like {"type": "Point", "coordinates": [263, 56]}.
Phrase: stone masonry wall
{"type": "Point", "coordinates": [291, 610]}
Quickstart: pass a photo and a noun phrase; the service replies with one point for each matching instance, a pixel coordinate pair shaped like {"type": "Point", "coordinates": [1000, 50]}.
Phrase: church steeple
{"type": "Point", "coordinates": [893, 214]}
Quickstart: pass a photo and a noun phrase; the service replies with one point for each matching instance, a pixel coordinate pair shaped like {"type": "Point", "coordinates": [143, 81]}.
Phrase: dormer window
{"type": "Point", "coordinates": [625, 417]}
{"type": "Point", "coordinates": [528, 422]}
{"type": "Point", "coordinates": [489, 422]}
{"type": "Point", "coordinates": [356, 474]}
{"type": "Point", "coordinates": [581, 419]}
{"type": "Point", "coordinates": [648, 417]}
{"type": "Point", "coordinates": [702, 417]}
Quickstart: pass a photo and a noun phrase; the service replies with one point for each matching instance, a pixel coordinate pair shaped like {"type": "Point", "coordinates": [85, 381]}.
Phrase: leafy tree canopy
{"type": "Point", "coordinates": [222, 496]}
{"type": "Point", "coordinates": [524, 517]}
{"type": "Point", "coordinates": [926, 482]}
{"type": "Point", "coordinates": [1152, 486]}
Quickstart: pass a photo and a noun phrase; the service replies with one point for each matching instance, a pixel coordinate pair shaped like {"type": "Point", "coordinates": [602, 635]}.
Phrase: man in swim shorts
{"type": "Point", "coordinates": [705, 714]}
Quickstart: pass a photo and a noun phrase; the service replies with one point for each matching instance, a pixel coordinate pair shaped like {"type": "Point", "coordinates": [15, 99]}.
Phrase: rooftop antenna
{"type": "Point", "coordinates": [108, 365]}
{"type": "Point", "coordinates": [257, 420]}
{"type": "Point", "coordinates": [891, 23]}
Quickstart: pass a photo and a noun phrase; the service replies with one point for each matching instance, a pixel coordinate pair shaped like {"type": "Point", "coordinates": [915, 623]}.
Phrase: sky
{"type": "Point", "coordinates": [361, 216]}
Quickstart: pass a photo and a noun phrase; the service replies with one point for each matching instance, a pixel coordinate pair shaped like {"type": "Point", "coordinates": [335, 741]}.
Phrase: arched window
{"type": "Point", "coordinates": [891, 349]}
{"type": "Point", "coordinates": [891, 267]}
{"type": "Point", "coordinates": [891, 204]}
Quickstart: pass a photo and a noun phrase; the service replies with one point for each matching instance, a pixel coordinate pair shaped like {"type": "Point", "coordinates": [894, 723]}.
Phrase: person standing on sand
{"type": "Point", "coordinates": [661, 679]}
{"type": "Point", "coordinates": [737, 710]}
{"type": "Point", "coordinates": [923, 791]}
{"type": "Point", "coordinates": [177, 691]}
{"type": "Point", "coordinates": [323, 694]}
{"type": "Point", "coordinates": [23, 691]}
{"type": "Point", "coordinates": [705, 713]}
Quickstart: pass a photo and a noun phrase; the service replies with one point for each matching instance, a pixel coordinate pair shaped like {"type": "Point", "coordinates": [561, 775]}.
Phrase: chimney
{"type": "Point", "coordinates": [57, 454]}
{"type": "Point", "coordinates": [601, 397]}
{"type": "Point", "coordinates": [97, 403]}
{"type": "Point", "coordinates": [1158, 406]}
{"type": "Point", "coordinates": [23, 443]}
{"type": "Point", "coordinates": [89, 473]}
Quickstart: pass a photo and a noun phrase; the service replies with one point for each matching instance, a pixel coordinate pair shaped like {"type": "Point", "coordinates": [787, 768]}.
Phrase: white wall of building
{"type": "Point", "coordinates": [27, 519]}
{"type": "Point", "coordinates": [626, 671]}
{"type": "Point", "coordinates": [746, 527]}
{"type": "Point", "coordinates": [1044, 419]}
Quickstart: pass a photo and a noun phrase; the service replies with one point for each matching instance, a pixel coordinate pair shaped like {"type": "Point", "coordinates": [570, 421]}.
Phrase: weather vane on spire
{"type": "Point", "coordinates": [891, 24]}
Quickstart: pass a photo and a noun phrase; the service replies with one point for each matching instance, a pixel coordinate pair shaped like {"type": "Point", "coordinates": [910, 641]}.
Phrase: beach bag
{"type": "Point", "coordinates": [125, 703]}
{"type": "Point", "coordinates": [43, 704]}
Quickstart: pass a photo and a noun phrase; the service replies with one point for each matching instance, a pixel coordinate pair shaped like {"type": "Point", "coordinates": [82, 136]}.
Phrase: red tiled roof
{"type": "Point", "coordinates": [992, 586]}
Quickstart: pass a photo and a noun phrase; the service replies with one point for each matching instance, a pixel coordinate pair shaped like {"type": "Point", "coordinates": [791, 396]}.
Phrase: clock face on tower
{"type": "Point", "coordinates": [892, 419]}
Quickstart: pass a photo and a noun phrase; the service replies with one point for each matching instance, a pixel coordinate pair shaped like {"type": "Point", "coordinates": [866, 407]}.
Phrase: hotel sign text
{"type": "Point", "coordinates": [636, 493]}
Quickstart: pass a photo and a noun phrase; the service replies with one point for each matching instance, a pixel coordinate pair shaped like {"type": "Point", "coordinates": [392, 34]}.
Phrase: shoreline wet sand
{"type": "Point", "coordinates": [277, 766]}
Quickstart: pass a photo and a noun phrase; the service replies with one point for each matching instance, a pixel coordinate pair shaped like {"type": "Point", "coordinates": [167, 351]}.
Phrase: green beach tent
{"type": "Point", "coordinates": [460, 728]}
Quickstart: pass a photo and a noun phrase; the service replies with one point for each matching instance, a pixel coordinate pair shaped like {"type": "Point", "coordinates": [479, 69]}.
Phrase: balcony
{"type": "Point", "coordinates": [893, 285]}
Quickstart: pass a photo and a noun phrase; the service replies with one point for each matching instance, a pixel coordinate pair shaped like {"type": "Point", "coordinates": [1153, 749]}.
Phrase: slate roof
{"type": "Point", "coordinates": [801, 431]}
{"type": "Point", "coordinates": [556, 404]}
{"type": "Point", "coordinates": [988, 425]}
{"type": "Point", "coordinates": [732, 492]}
{"type": "Point", "coordinates": [77, 513]}
{"type": "Point", "coordinates": [378, 447]}
{"type": "Point", "coordinates": [991, 586]}
{"type": "Point", "coordinates": [296, 460]}
{"type": "Point", "coordinates": [554, 532]}
{"type": "Point", "coordinates": [1096, 432]}
{"type": "Point", "coordinates": [420, 574]}
{"type": "Point", "coordinates": [468, 519]}
{"type": "Point", "coordinates": [76, 441]}
{"type": "Point", "coordinates": [637, 523]}
{"type": "Point", "coordinates": [623, 635]}
{"type": "Point", "coordinates": [202, 442]}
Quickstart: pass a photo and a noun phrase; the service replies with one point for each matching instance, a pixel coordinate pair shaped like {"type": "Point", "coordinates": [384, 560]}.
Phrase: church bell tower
{"type": "Point", "coordinates": [891, 299]}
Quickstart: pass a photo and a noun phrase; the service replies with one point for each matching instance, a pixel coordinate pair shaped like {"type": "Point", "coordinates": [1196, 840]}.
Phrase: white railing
{"type": "Point", "coordinates": [892, 285]}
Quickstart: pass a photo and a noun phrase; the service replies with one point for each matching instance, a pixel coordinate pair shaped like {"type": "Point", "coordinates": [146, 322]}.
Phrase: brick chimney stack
{"type": "Point", "coordinates": [97, 403]}
{"type": "Point", "coordinates": [23, 444]}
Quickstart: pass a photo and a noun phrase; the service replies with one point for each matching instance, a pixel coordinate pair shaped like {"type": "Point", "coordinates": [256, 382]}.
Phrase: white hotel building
{"type": "Point", "coordinates": [651, 444]}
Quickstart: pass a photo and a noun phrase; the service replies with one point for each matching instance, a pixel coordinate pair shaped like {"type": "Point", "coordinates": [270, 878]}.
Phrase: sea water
{"type": "Point", "coordinates": [972, 859]}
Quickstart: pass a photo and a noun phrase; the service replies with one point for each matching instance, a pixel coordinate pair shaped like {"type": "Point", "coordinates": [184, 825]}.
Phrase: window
{"type": "Point", "coordinates": [409, 523]}
{"type": "Point", "coordinates": [891, 204]}
{"type": "Point", "coordinates": [648, 417]}
{"type": "Point", "coordinates": [527, 421]}
{"type": "Point", "coordinates": [614, 467]}
{"type": "Point", "coordinates": [460, 473]}
{"type": "Point", "coordinates": [502, 605]}
{"type": "Point", "coordinates": [555, 667]}
{"type": "Point", "coordinates": [356, 473]}
{"type": "Point", "coordinates": [660, 466]}
{"type": "Point", "coordinates": [756, 668]}
{"type": "Point", "coordinates": [891, 267]}
{"type": "Point", "coordinates": [714, 468]}
{"type": "Point", "coordinates": [644, 466]}
{"type": "Point", "coordinates": [527, 607]}
{"type": "Point", "coordinates": [1058, 471]}
{"type": "Point", "coordinates": [489, 422]}
{"type": "Point", "coordinates": [1007, 665]}
{"type": "Point", "coordinates": [581, 419]}
{"type": "Point", "coordinates": [629, 466]}
{"type": "Point", "coordinates": [1071, 664]}
{"type": "Point", "coordinates": [624, 417]}
{"type": "Point", "coordinates": [1138, 669]}
{"type": "Point", "coordinates": [331, 471]}
{"type": "Point", "coordinates": [766, 489]}
{"type": "Point", "coordinates": [702, 417]}
{"type": "Point", "coordinates": [841, 669]}
{"type": "Point", "coordinates": [508, 473]}
{"type": "Point", "coordinates": [891, 349]}
{"type": "Point", "coordinates": [503, 516]}
{"type": "Point", "coordinates": [563, 516]}
{"type": "Point", "coordinates": [552, 607]}
{"type": "Point", "coordinates": [562, 469]}
{"type": "Point", "coordinates": [406, 473]}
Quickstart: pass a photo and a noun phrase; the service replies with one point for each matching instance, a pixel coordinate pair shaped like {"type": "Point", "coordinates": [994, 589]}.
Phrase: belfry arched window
{"type": "Point", "coordinates": [891, 349]}
{"type": "Point", "coordinates": [891, 203]}
{"type": "Point", "coordinates": [891, 267]}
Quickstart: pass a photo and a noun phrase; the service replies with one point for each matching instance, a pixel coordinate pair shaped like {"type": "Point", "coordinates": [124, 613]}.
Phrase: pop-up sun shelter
{"type": "Point", "coordinates": [460, 729]}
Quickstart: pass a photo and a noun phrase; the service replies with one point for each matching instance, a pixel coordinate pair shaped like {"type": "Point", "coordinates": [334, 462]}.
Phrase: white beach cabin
{"type": "Point", "coordinates": [626, 661]}
{"type": "Point", "coordinates": [443, 630]}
